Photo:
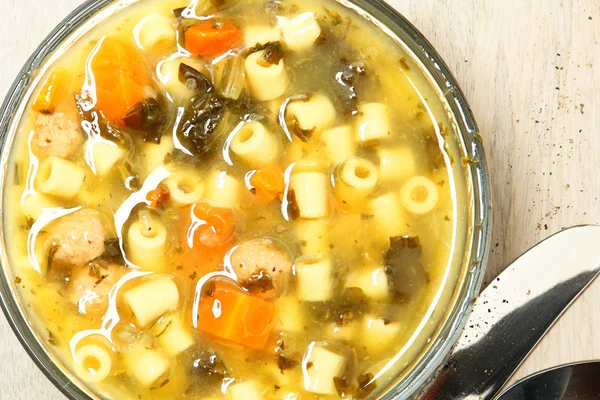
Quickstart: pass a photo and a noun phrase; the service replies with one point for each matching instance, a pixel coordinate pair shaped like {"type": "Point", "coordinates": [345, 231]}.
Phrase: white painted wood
{"type": "Point", "coordinates": [528, 70]}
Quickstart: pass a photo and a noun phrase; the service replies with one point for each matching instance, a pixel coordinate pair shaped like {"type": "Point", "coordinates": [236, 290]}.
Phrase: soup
{"type": "Point", "coordinates": [235, 199]}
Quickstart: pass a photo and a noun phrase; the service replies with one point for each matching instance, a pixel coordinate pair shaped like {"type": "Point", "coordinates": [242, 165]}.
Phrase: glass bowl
{"type": "Point", "coordinates": [413, 380]}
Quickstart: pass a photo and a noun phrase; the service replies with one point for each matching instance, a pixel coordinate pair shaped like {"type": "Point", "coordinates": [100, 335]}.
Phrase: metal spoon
{"type": "Point", "coordinates": [515, 311]}
{"type": "Point", "coordinates": [579, 381]}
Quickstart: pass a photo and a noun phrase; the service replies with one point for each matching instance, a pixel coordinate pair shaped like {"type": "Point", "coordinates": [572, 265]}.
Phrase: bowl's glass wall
{"type": "Point", "coordinates": [425, 366]}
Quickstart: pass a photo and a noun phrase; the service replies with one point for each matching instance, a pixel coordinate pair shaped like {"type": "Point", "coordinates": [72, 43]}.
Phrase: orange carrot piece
{"type": "Point", "coordinates": [210, 230]}
{"type": "Point", "coordinates": [211, 39]}
{"type": "Point", "coordinates": [229, 314]}
{"type": "Point", "coordinates": [121, 77]}
{"type": "Point", "coordinates": [53, 91]}
{"type": "Point", "coordinates": [159, 197]}
{"type": "Point", "coordinates": [268, 184]}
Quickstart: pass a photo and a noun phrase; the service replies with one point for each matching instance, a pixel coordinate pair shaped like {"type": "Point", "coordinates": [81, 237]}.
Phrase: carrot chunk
{"type": "Point", "coordinates": [211, 39]}
{"type": "Point", "coordinates": [53, 91]}
{"type": "Point", "coordinates": [121, 78]}
{"type": "Point", "coordinates": [268, 184]}
{"type": "Point", "coordinates": [229, 314]}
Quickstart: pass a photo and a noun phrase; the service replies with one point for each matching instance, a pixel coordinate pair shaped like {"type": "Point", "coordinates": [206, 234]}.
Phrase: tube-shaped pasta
{"type": "Point", "coordinates": [300, 32]}
{"type": "Point", "coordinates": [419, 195]}
{"type": "Point", "coordinates": [223, 188]}
{"type": "Point", "coordinates": [168, 74]}
{"type": "Point", "coordinates": [95, 362]}
{"type": "Point", "coordinates": [147, 244]}
{"type": "Point", "coordinates": [338, 143]}
{"type": "Point", "coordinates": [34, 204]}
{"type": "Point", "coordinates": [378, 334]}
{"type": "Point", "coordinates": [255, 145]}
{"type": "Point", "coordinates": [315, 114]}
{"type": "Point", "coordinates": [106, 156]}
{"type": "Point", "coordinates": [311, 194]}
{"type": "Point", "coordinates": [247, 390]}
{"type": "Point", "coordinates": [153, 156]}
{"type": "Point", "coordinates": [146, 366]}
{"type": "Point", "coordinates": [155, 31]}
{"type": "Point", "coordinates": [355, 180]}
{"type": "Point", "coordinates": [267, 81]}
{"type": "Point", "coordinates": [174, 338]}
{"type": "Point", "coordinates": [325, 366]}
{"type": "Point", "coordinates": [151, 299]}
{"type": "Point", "coordinates": [374, 282]}
{"type": "Point", "coordinates": [373, 122]}
{"type": "Point", "coordinates": [315, 278]}
{"type": "Point", "coordinates": [313, 234]}
{"type": "Point", "coordinates": [59, 177]}
{"type": "Point", "coordinates": [396, 164]}
{"type": "Point", "coordinates": [388, 216]}
{"type": "Point", "coordinates": [256, 35]}
{"type": "Point", "coordinates": [186, 187]}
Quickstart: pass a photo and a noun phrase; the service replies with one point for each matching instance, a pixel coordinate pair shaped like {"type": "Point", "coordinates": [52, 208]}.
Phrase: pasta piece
{"type": "Point", "coordinates": [315, 278]}
{"type": "Point", "coordinates": [151, 299]}
{"type": "Point", "coordinates": [146, 365]}
{"type": "Point", "coordinates": [222, 188]}
{"type": "Point", "coordinates": [153, 155]}
{"type": "Point", "coordinates": [256, 145]}
{"type": "Point", "coordinates": [256, 35]}
{"type": "Point", "coordinates": [378, 334]}
{"type": "Point", "coordinates": [313, 235]}
{"type": "Point", "coordinates": [311, 194]}
{"type": "Point", "coordinates": [419, 195]}
{"type": "Point", "coordinates": [147, 244]}
{"type": "Point", "coordinates": [267, 81]}
{"type": "Point", "coordinates": [301, 31]}
{"type": "Point", "coordinates": [174, 339]}
{"type": "Point", "coordinates": [338, 143]}
{"type": "Point", "coordinates": [292, 320]}
{"type": "Point", "coordinates": [314, 115]}
{"type": "Point", "coordinates": [355, 180]}
{"type": "Point", "coordinates": [325, 365]}
{"type": "Point", "coordinates": [342, 332]}
{"type": "Point", "coordinates": [60, 178]}
{"type": "Point", "coordinates": [168, 73]}
{"type": "Point", "coordinates": [33, 205]}
{"type": "Point", "coordinates": [388, 216]}
{"type": "Point", "coordinates": [155, 31]}
{"type": "Point", "coordinates": [106, 156]}
{"type": "Point", "coordinates": [373, 122]}
{"type": "Point", "coordinates": [373, 282]}
{"type": "Point", "coordinates": [396, 164]}
{"type": "Point", "coordinates": [186, 187]}
{"type": "Point", "coordinates": [95, 362]}
{"type": "Point", "coordinates": [246, 390]}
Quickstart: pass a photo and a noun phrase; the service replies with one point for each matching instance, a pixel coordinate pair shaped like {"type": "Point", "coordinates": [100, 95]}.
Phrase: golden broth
{"type": "Point", "coordinates": [351, 198]}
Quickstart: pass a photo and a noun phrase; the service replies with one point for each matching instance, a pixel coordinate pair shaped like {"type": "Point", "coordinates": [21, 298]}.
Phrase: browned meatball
{"type": "Point", "coordinates": [56, 135]}
{"type": "Point", "coordinates": [89, 286]}
{"type": "Point", "coordinates": [77, 238]}
{"type": "Point", "coordinates": [262, 267]}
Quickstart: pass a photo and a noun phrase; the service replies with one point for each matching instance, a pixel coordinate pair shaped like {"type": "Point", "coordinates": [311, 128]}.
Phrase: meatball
{"type": "Point", "coordinates": [262, 267]}
{"type": "Point", "coordinates": [56, 135]}
{"type": "Point", "coordinates": [77, 238]}
{"type": "Point", "coordinates": [89, 286]}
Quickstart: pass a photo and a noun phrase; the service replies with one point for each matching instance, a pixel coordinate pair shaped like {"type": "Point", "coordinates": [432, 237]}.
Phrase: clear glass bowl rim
{"type": "Point", "coordinates": [422, 373]}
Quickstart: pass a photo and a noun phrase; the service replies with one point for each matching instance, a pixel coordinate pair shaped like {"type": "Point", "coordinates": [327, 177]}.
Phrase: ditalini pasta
{"type": "Point", "coordinates": [234, 200]}
{"type": "Point", "coordinates": [255, 145]}
{"type": "Point", "coordinates": [60, 178]}
{"type": "Point", "coordinates": [267, 81]}
{"type": "Point", "coordinates": [419, 195]}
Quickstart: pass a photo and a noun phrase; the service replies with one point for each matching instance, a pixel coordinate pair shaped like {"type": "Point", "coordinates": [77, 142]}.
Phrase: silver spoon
{"type": "Point", "coordinates": [580, 381]}
{"type": "Point", "coordinates": [515, 311]}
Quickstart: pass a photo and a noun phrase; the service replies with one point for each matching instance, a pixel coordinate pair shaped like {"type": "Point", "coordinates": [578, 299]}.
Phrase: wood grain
{"type": "Point", "coordinates": [529, 71]}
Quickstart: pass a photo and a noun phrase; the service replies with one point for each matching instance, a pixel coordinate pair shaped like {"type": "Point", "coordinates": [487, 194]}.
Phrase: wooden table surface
{"type": "Point", "coordinates": [530, 71]}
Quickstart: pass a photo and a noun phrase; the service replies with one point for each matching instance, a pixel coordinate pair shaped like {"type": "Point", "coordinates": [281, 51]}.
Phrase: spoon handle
{"type": "Point", "coordinates": [515, 311]}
